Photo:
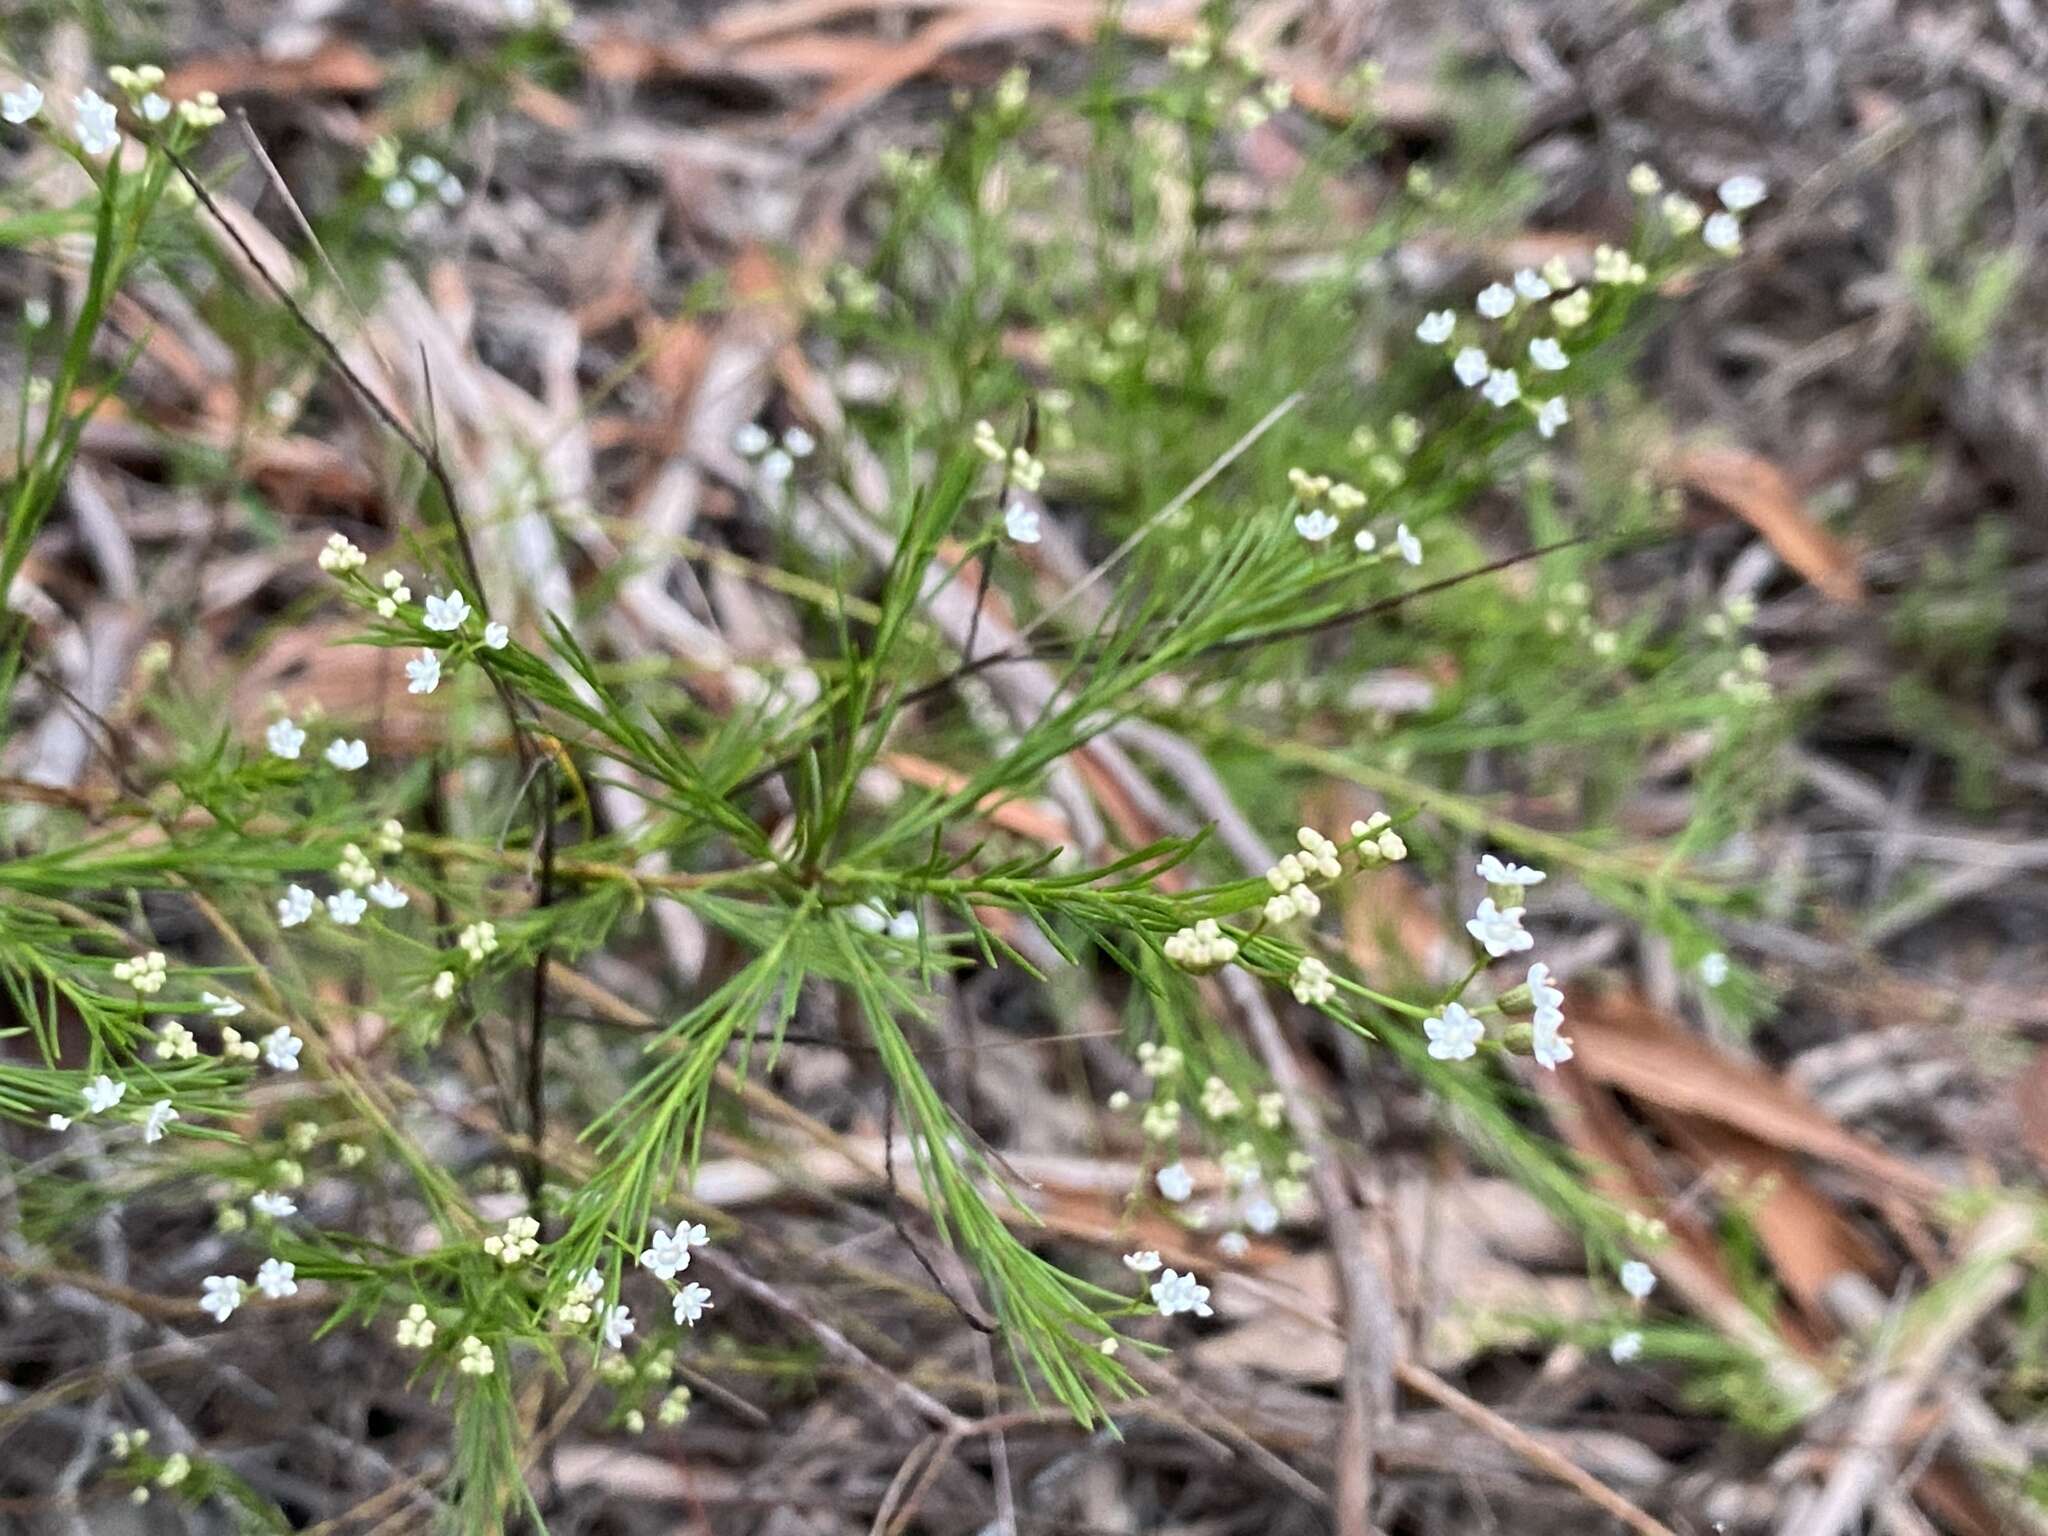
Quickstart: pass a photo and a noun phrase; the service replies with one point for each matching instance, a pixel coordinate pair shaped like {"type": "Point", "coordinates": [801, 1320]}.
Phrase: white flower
{"type": "Point", "coordinates": [1547, 354]}
{"type": "Point", "coordinates": [1173, 1293]}
{"type": "Point", "coordinates": [1542, 993]}
{"type": "Point", "coordinates": [1409, 545]}
{"type": "Point", "coordinates": [776, 468]}
{"type": "Point", "coordinates": [423, 675]}
{"type": "Point", "coordinates": [1261, 1215]}
{"type": "Point", "coordinates": [274, 1279]}
{"type": "Point", "coordinates": [390, 837]}
{"type": "Point", "coordinates": [157, 1120]}
{"type": "Point", "coordinates": [1315, 526]}
{"type": "Point", "coordinates": [1436, 327]}
{"type": "Point", "coordinates": [1175, 1182]}
{"type": "Point", "coordinates": [23, 105]}
{"type": "Point", "coordinates": [496, 636]}
{"type": "Point", "coordinates": [416, 1330]}
{"type": "Point", "coordinates": [145, 973]}
{"type": "Point", "coordinates": [750, 440]}
{"type": "Point", "coordinates": [1714, 968]}
{"type": "Point", "coordinates": [425, 170]}
{"type": "Point", "coordinates": [1531, 285]}
{"type": "Point", "coordinates": [1638, 1279]}
{"type": "Point", "coordinates": [1020, 522]}
{"type": "Point", "coordinates": [667, 1252]}
{"type": "Point", "coordinates": [387, 895]}
{"type": "Point", "coordinates": [519, 1241]}
{"type": "Point", "coordinates": [354, 869]}
{"type": "Point", "coordinates": [35, 313]}
{"type": "Point", "coordinates": [1454, 1036]}
{"type": "Point", "coordinates": [284, 739]}
{"type": "Point", "coordinates": [903, 927]}
{"type": "Point", "coordinates": [444, 986]}
{"type": "Point", "coordinates": [1495, 300]}
{"type": "Point", "coordinates": [102, 1094]}
{"type": "Point", "coordinates": [618, 1323]}
{"type": "Point", "coordinates": [339, 553]}
{"type": "Point", "coordinates": [400, 195]}
{"type": "Point", "coordinates": [221, 1007]}
{"type": "Point", "coordinates": [223, 1295]}
{"type": "Point", "coordinates": [1312, 983]}
{"type": "Point", "coordinates": [1626, 1347]}
{"type": "Point", "coordinates": [1723, 233]}
{"type": "Point", "coordinates": [1551, 1047]}
{"type": "Point", "coordinates": [346, 908]}
{"type": "Point", "coordinates": [97, 134]}
{"type": "Point", "coordinates": [476, 1357]}
{"type": "Point", "coordinates": [477, 941]}
{"type": "Point", "coordinates": [274, 1203]}
{"type": "Point", "coordinates": [446, 613]}
{"type": "Point", "coordinates": [1233, 1245]}
{"type": "Point", "coordinates": [59, 1122]}
{"type": "Point", "coordinates": [1739, 194]}
{"type": "Point", "coordinates": [281, 1049]}
{"type": "Point", "coordinates": [1550, 415]}
{"type": "Point", "coordinates": [1364, 541]}
{"type": "Point", "coordinates": [1503, 387]}
{"type": "Point", "coordinates": [1471, 366]}
{"type": "Point", "coordinates": [798, 443]}
{"type": "Point", "coordinates": [1494, 872]}
{"type": "Point", "coordinates": [294, 906]}
{"type": "Point", "coordinates": [691, 1303]}
{"type": "Point", "coordinates": [348, 756]}
{"type": "Point", "coordinates": [154, 107]}
{"type": "Point", "coordinates": [1500, 931]}
{"type": "Point", "coordinates": [1143, 1262]}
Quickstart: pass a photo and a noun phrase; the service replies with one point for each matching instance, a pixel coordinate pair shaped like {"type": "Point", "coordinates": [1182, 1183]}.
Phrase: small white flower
{"type": "Point", "coordinates": [1723, 233]}
{"type": "Point", "coordinates": [1456, 1035]}
{"type": "Point", "coordinates": [281, 1049]}
{"type": "Point", "coordinates": [1174, 1293]}
{"type": "Point", "coordinates": [274, 1279]}
{"type": "Point", "coordinates": [102, 1094]}
{"type": "Point", "coordinates": [59, 1122]}
{"type": "Point", "coordinates": [618, 1323]}
{"type": "Point", "coordinates": [798, 443]}
{"type": "Point", "coordinates": [23, 105]}
{"type": "Point", "coordinates": [1409, 545]}
{"type": "Point", "coordinates": [1365, 541]}
{"type": "Point", "coordinates": [691, 1303]}
{"type": "Point", "coordinates": [1020, 522]}
{"type": "Point", "coordinates": [424, 674]}
{"type": "Point", "coordinates": [1546, 353]}
{"type": "Point", "coordinates": [667, 1252]}
{"type": "Point", "coordinates": [1531, 285]}
{"type": "Point", "coordinates": [1495, 300]}
{"type": "Point", "coordinates": [519, 1241]}
{"type": "Point", "coordinates": [750, 440]}
{"type": "Point", "coordinates": [1739, 194]}
{"type": "Point", "coordinates": [346, 908]}
{"type": "Point", "coordinates": [400, 195]}
{"type": "Point", "coordinates": [1551, 1047]}
{"type": "Point", "coordinates": [444, 986]}
{"type": "Point", "coordinates": [1233, 1245]}
{"type": "Point", "coordinates": [1261, 1215]}
{"type": "Point", "coordinates": [416, 1330]}
{"type": "Point", "coordinates": [1714, 968]}
{"type": "Point", "coordinates": [97, 133]}
{"type": "Point", "coordinates": [1312, 983]}
{"type": "Point", "coordinates": [294, 906]}
{"type": "Point", "coordinates": [1644, 181]}
{"type": "Point", "coordinates": [390, 838]}
{"type": "Point", "coordinates": [387, 895]}
{"type": "Point", "coordinates": [446, 613]}
{"type": "Point", "coordinates": [284, 739]}
{"type": "Point", "coordinates": [1550, 415]}
{"type": "Point", "coordinates": [904, 927]}
{"type": "Point", "coordinates": [223, 1293]}
{"type": "Point", "coordinates": [348, 756]}
{"type": "Point", "coordinates": [776, 468]}
{"type": "Point", "coordinates": [1500, 930]}
{"type": "Point", "coordinates": [221, 1007]}
{"type": "Point", "coordinates": [1494, 872]}
{"type": "Point", "coordinates": [1626, 1347]}
{"type": "Point", "coordinates": [496, 636]}
{"type": "Point", "coordinates": [1503, 387]}
{"type": "Point", "coordinates": [35, 313]}
{"type": "Point", "coordinates": [1471, 367]}
{"type": "Point", "coordinates": [154, 107]}
{"type": "Point", "coordinates": [1143, 1262]}
{"type": "Point", "coordinates": [1175, 1182]}
{"type": "Point", "coordinates": [1638, 1279]}
{"type": "Point", "coordinates": [1315, 526]}
{"type": "Point", "coordinates": [154, 1124]}
{"type": "Point", "coordinates": [1436, 327]}
{"type": "Point", "coordinates": [476, 1357]}
{"type": "Point", "coordinates": [426, 170]}
{"type": "Point", "coordinates": [274, 1203]}
{"type": "Point", "coordinates": [1543, 994]}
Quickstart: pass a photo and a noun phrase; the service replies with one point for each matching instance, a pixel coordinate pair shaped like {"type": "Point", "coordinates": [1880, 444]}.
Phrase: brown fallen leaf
{"type": "Point", "coordinates": [335, 68]}
{"type": "Point", "coordinates": [1762, 495]}
{"type": "Point", "coordinates": [1625, 1043]}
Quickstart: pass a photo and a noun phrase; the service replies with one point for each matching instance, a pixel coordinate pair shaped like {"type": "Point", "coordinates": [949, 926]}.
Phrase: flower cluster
{"type": "Point", "coordinates": [404, 186]}
{"type": "Point", "coordinates": [666, 1255]}
{"type": "Point", "coordinates": [519, 1242]}
{"type": "Point", "coordinates": [1024, 469]}
{"type": "Point", "coordinates": [145, 973]}
{"type": "Point", "coordinates": [1201, 948]}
